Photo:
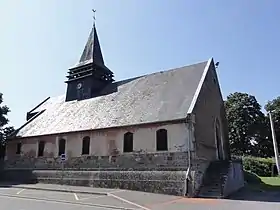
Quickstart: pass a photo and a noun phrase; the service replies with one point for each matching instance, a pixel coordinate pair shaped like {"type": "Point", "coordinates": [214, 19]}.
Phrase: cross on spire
{"type": "Point", "coordinates": [93, 16]}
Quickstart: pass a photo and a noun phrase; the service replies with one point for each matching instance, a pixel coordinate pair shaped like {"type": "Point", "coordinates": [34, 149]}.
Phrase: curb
{"type": "Point", "coordinates": [60, 190]}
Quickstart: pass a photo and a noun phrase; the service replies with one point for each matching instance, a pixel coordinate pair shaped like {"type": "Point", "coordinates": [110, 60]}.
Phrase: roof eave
{"type": "Point", "coordinates": [174, 121]}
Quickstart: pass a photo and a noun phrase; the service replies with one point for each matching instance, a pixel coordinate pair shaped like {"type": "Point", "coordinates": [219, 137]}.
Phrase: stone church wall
{"type": "Point", "coordinates": [154, 172]}
{"type": "Point", "coordinates": [168, 176]}
{"type": "Point", "coordinates": [103, 142]}
{"type": "Point", "coordinates": [137, 161]}
{"type": "Point", "coordinates": [144, 169]}
{"type": "Point", "coordinates": [209, 110]}
{"type": "Point", "coordinates": [165, 182]}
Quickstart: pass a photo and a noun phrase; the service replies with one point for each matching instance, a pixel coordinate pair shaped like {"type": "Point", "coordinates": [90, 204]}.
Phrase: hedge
{"type": "Point", "coordinates": [259, 166]}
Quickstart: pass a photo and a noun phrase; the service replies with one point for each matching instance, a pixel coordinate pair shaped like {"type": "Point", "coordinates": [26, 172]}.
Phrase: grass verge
{"type": "Point", "coordinates": [262, 183]}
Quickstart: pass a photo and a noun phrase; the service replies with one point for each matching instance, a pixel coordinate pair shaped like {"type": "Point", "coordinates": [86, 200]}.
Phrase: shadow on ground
{"type": "Point", "coordinates": [12, 178]}
{"type": "Point", "coordinates": [256, 190]}
{"type": "Point", "coordinates": [6, 184]}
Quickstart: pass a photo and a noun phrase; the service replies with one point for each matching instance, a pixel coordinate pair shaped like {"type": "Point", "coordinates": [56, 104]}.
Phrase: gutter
{"type": "Point", "coordinates": [189, 122]}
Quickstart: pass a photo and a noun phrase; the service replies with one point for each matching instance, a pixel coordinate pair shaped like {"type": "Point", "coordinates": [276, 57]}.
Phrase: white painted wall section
{"type": "Point", "coordinates": [102, 142]}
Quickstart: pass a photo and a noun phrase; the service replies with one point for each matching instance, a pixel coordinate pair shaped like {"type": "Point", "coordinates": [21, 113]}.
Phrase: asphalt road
{"type": "Point", "coordinates": [28, 199]}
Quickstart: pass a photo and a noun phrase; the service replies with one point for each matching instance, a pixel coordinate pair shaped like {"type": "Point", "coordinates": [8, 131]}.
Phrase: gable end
{"type": "Point", "coordinates": [209, 107]}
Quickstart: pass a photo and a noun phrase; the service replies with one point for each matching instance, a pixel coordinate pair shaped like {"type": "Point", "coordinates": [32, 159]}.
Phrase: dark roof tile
{"type": "Point", "coordinates": [161, 96]}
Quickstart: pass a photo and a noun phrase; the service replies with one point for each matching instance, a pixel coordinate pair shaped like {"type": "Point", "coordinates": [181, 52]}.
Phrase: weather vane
{"type": "Point", "coordinates": [93, 16]}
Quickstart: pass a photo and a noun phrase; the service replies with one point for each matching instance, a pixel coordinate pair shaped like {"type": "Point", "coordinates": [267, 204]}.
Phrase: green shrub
{"type": "Point", "coordinates": [259, 166]}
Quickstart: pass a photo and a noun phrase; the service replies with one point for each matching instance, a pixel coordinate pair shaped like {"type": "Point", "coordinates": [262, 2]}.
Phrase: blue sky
{"type": "Point", "coordinates": [41, 39]}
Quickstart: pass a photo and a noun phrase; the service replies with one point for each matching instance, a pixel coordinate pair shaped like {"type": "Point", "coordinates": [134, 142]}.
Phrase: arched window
{"type": "Point", "coordinates": [41, 148]}
{"type": "Point", "coordinates": [161, 138]}
{"type": "Point", "coordinates": [128, 142]}
{"type": "Point", "coordinates": [218, 139]}
{"type": "Point", "coordinates": [18, 148]}
{"type": "Point", "coordinates": [61, 146]}
{"type": "Point", "coordinates": [217, 131]}
{"type": "Point", "coordinates": [86, 145]}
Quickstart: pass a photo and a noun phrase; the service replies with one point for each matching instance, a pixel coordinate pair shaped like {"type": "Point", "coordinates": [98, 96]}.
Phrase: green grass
{"type": "Point", "coordinates": [262, 183]}
{"type": "Point", "coordinates": [273, 181]}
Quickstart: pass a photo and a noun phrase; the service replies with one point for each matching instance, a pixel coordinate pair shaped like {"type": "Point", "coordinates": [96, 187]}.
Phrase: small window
{"type": "Point", "coordinates": [18, 148]}
{"type": "Point", "coordinates": [41, 148]}
{"type": "Point", "coordinates": [161, 137]}
{"type": "Point", "coordinates": [128, 142]}
{"type": "Point", "coordinates": [61, 147]}
{"type": "Point", "coordinates": [86, 145]}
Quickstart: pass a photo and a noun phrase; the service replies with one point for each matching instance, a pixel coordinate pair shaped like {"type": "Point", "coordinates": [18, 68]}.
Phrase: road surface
{"type": "Point", "coordinates": [30, 199]}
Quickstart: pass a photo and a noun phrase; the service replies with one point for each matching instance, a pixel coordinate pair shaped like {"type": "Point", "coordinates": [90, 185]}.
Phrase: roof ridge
{"type": "Point", "coordinates": [125, 80]}
{"type": "Point", "coordinates": [150, 100]}
{"type": "Point", "coordinates": [162, 71]}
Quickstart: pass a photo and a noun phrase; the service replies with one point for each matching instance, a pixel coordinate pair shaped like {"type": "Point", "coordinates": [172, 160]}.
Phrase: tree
{"type": "Point", "coordinates": [5, 131]}
{"type": "Point", "coordinates": [273, 106]}
{"type": "Point", "coordinates": [264, 147]}
{"type": "Point", "coordinates": [246, 123]}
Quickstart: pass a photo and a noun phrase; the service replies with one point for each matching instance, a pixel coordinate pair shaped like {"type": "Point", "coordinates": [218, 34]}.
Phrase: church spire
{"type": "Point", "coordinates": [93, 17]}
{"type": "Point", "coordinates": [92, 50]}
{"type": "Point", "coordinates": [90, 76]}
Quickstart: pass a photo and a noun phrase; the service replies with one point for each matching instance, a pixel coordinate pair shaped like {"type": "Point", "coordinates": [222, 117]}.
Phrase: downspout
{"type": "Point", "coordinates": [189, 123]}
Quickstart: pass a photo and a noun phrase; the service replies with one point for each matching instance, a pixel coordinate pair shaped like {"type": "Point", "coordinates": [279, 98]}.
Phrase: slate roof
{"type": "Point", "coordinates": [92, 51]}
{"type": "Point", "coordinates": [161, 96]}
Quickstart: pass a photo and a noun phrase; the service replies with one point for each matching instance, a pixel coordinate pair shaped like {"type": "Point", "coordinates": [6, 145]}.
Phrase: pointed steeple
{"type": "Point", "coordinates": [92, 51]}
{"type": "Point", "coordinates": [90, 76]}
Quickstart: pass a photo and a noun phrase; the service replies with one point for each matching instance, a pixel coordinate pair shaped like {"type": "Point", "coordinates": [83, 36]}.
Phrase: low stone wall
{"type": "Point", "coordinates": [152, 172]}
{"type": "Point", "coordinates": [198, 169]}
{"type": "Point", "coordinates": [125, 161]}
{"type": "Point", "coordinates": [18, 176]}
{"type": "Point", "coordinates": [235, 178]}
{"type": "Point", "coordinates": [165, 182]}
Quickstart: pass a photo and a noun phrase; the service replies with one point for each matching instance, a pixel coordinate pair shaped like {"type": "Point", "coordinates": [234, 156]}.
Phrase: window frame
{"type": "Point", "coordinates": [61, 139]}
{"type": "Point", "coordinates": [19, 148]}
{"type": "Point", "coordinates": [160, 133]}
{"type": "Point", "coordinates": [86, 138]}
{"type": "Point", "coordinates": [128, 137]}
{"type": "Point", "coordinates": [38, 153]}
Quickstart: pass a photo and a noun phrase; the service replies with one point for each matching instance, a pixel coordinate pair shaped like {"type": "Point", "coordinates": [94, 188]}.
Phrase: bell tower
{"type": "Point", "coordinates": [90, 75]}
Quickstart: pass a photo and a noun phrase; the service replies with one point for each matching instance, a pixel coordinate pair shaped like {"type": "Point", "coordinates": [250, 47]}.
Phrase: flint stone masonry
{"type": "Point", "coordinates": [164, 173]}
{"type": "Point", "coordinates": [165, 182]}
{"type": "Point", "coordinates": [150, 172]}
{"type": "Point", "coordinates": [198, 169]}
{"type": "Point", "coordinates": [135, 161]}
{"type": "Point", "coordinates": [235, 179]}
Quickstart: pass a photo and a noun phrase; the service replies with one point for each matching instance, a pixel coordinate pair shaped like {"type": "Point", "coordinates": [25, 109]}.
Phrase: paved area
{"type": "Point", "coordinates": [16, 198]}
{"type": "Point", "coordinates": [62, 188]}
{"type": "Point", "coordinates": [257, 195]}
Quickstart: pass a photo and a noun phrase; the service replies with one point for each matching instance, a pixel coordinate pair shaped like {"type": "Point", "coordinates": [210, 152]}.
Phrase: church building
{"type": "Point", "coordinates": [172, 121]}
